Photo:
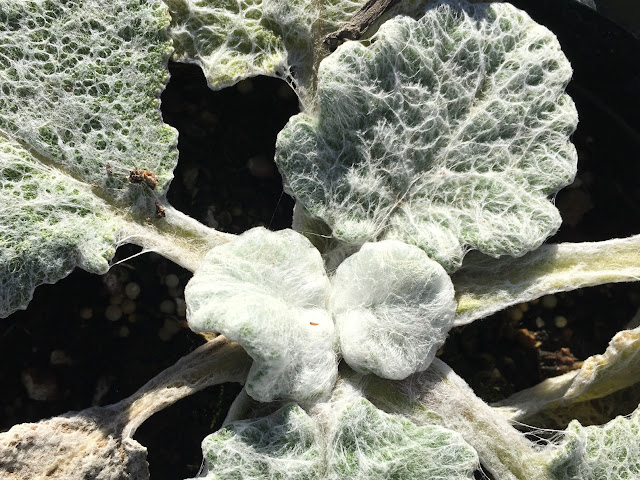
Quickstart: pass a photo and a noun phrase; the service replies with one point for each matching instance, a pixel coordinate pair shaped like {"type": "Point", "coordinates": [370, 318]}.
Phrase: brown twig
{"type": "Point", "coordinates": [359, 23]}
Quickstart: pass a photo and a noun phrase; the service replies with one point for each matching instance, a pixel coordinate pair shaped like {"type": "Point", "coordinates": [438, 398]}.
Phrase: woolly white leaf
{"type": "Point", "coordinates": [345, 438]}
{"type": "Point", "coordinates": [439, 396]}
{"type": "Point", "coordinates": [49, 224]}
{"type": "Point", "coordinates": [235, 39]}
{"type": "Point", "coordinates": [368, 443]}
{"type": "Point", "coordinates": [607, 452]}
{"type": "Point", "coordinates": [284, 444]}
{"type": "Point", "coordinates": [448, 132]}
{"type": "Point", "coordinates": [393, 307]}
{"type": "Point", "coordinates": [79, 83]}
{"type": "Point", "coordinates": [268, 291]}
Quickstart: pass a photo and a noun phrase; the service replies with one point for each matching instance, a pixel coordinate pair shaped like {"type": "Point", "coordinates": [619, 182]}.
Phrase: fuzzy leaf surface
{"type": "Point", "coordinates": [268, 291]}
{"type": "Point", "coordinates": [448, 132]}
{"type": "Point", "coordinates": [232, 40]}
{"type": "Point", "coordinates": [393, 307]}
{"type": "Point", "coordinates": [335, 442]}
{"type": "Point", "coordinates": [610, 451]}
{"type": "Point", "coordinates": [79, 109]}
{"type": "Point", "coordinates": [369, 443]}
{"type": "Point", "coordinates": [284, 444]}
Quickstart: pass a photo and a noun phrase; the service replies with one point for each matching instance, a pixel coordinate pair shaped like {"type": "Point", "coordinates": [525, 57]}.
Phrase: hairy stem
{"type": "Point", "coordinates": [176, 236]}
{"type": "Point", "coordinates": [217, 361]}
{"type": "Point", "coordinates": [486, 285]}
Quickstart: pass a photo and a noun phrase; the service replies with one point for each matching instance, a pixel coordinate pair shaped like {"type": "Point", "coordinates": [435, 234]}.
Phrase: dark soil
{"type": "Point", "coordinates": [64, 354]}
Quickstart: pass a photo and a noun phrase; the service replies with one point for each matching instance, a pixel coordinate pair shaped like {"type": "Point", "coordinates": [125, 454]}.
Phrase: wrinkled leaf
{"type": "Point", "coordinates": [49, 224]}
{"type": "Point", "coordinates": [610, 451]}
{"type": "Point", "coordinates": [232, 40]}
{"type": "Point", "coordinates": [345, 438]}
{"type": "Point", "coordinates": [439, 396]}
{"type": "Point", "coordinates": [371, 444]}
{"type": "Point", "coordinates": [284, 444]}
{"type": "Point", "coordinates": [449, 132]}
{"type": "Point", "coordinates": [80, 87]}
{"type": "Point", "coordinates": [78, 110]}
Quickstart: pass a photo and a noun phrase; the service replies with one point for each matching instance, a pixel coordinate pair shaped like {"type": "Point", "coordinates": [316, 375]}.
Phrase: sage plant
{"type": "Point", "coordinates": [431, 141]}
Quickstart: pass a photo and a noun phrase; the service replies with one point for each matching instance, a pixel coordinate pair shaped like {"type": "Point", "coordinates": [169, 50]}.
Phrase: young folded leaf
{"type": "Point", "coordinates": [268, 291]}
{"type": "Point", "coordinates": [448, 132]}
{"type": "Point", "coordinates": [393, 307]}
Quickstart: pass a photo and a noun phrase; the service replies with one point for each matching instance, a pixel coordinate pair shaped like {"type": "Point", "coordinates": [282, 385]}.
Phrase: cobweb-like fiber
{"type": "Point", "coordinates": [371, 444]}
{"type": "Point", "coordinates": [228, 39]}
{"type": "Point", "coordinates": [393, 307]}
{"type": "Point", "coordinates": [268, 291]}
{"type": "Point", "coordinates": [49, 224]}
{"type": "Point", "coordinates": [448, 132]}
{"type": "Point", "coordinates": [80, 82]}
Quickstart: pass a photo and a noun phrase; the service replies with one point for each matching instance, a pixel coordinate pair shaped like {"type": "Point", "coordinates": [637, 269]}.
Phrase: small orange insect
{"type": "Point", "coordinates": [313, 323]}
{"type": "Point", "coordinates": [140, 176]}
{"type": "Point", "coordinates": [160, 213]}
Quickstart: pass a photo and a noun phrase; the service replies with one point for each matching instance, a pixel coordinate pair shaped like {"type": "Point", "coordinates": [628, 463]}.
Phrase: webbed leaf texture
{"type": "Point", "coordinates": [79, 110]}
{"type": "Point", "coordinates": [449, 132]}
